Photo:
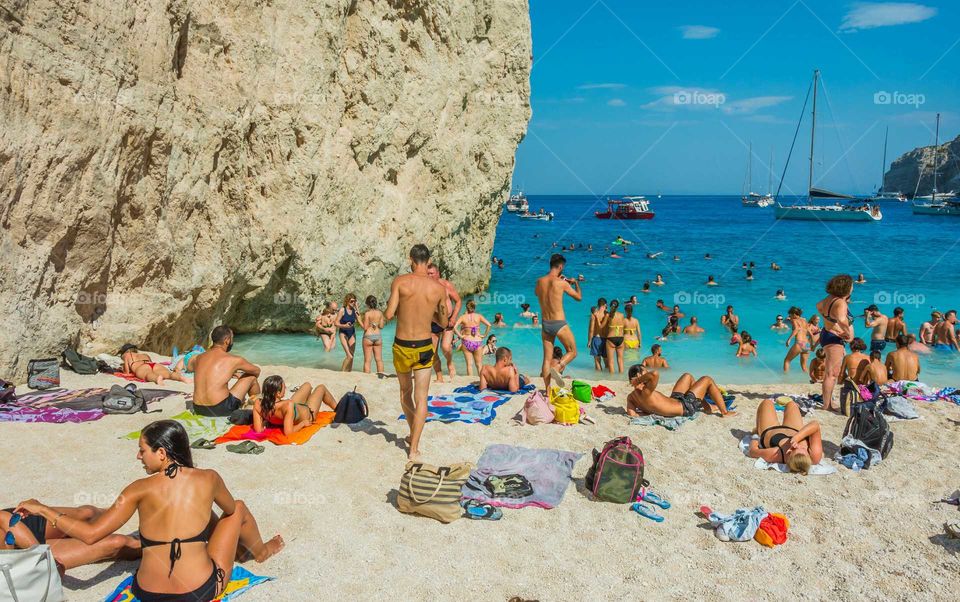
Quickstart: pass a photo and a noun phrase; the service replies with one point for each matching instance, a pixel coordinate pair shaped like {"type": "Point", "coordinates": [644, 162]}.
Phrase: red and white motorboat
{"type": "Point", "coordinates": [631, 207]}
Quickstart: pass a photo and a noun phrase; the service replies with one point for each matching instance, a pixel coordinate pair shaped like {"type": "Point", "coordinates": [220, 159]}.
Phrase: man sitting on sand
{"type": "Point", "coordinates": [214, 369]}
{"type": "Point", "coordinates": [689, 395]}
{"type": "Point", "coordinates": [416, 300]}
{"type": "Point", "coordinates": [503, 375]}
{"type": "Point", "coordinates": [902, 363]}
{"type": "Point", "coordinates": [655, 360]}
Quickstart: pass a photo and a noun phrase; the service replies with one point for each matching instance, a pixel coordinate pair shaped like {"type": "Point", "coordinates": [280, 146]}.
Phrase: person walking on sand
{"type": "Point", "coordinates": [801, 340]}
{"type": "Point", "coordinates": [550, 290]}
{"type": "Point", "coordinates": [214, 369]}
{"type": "Point", "coordinates": [372, 323]}
{"type": "Point", "coordinates": [836, 333]}
{"type": "Point", "coordinates": [442, 334]}
{"type": "Point", "coordinates": [416, 300]}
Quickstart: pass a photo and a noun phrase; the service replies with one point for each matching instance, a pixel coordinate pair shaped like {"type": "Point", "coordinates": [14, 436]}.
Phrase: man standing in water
{"type": "Point", "coordinates": [417, 300]}
{"type": "Point", "coordinates": [214, 369]}
{"type": "Point", "coordinates": [896, 326]}
{"type": "Point", "coordinates": [550, 290]}
{"type": "Point", "coordinates": [873, 318]}
{"type": "Point", "coordinates": [442, 335]}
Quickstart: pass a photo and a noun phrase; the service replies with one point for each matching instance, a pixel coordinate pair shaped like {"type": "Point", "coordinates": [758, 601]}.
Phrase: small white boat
{"type": "Point", "coordinates": [517, 203]}
{"type": "Point", "coordinates": [754, 199]}
{"type": "Point", "coordinates": [544, 216]}
{"type": "Point", "coordinates": [757, 200]}
{"type": "Point", "coordinates": [947, 207]}
{"type": "Point", "coordinates": [829, 213]}
{"type": "Point", "coordinates": [883, 196]}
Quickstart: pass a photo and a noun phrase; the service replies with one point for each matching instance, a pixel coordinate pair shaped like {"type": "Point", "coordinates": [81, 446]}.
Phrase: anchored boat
{"type": "Point", "coordinates": [517, 203]}
{"type": "Point", "coordinates": [631, 207]}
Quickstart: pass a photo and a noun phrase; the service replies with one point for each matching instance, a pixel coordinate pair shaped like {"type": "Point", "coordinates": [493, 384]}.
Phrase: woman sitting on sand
{"type": "Point", "coordinates": [612, 332]}
{"type": "Point", "coordinates": [789, 442]}
{"type": "Point", "coordinates": [747, 347]}
{"type": "Point", "coordinates": [292, 414]}
{"type": "Point", "coordinates": [188, 553]}
{"type": "Point", "coordinates": [25, 531]}
{"type": "Point", "coordinates": [326, 331]}
{"type": "Point", "coordinates": [140, 365]}
{"type": "Point", "coordinates": [372, 323]}
{"type": "Point", "coordinates": [837, 331]}
{"type": "Point", "coordinates": [468, 327]}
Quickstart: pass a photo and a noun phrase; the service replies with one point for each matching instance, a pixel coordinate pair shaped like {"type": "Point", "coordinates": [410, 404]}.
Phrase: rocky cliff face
{"type": "Point", "coordinates": [168, 165]}
{"type": "Point", "coordinates": [918, 165]}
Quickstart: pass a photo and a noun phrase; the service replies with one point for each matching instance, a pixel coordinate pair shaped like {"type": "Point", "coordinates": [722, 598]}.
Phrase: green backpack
{"type": "Point", "coordinates": [81, 364]}
{"type": "Point", "coordinates": [582, 391]}
{"type": "Point", "coordinates": [617, 472]}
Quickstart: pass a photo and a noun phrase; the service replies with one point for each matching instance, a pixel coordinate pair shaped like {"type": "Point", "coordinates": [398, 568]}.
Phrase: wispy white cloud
{"type": "Point", "coordinates": [748, 106]}
{"type": "Point", "coordinates": [605, 86]}
{"type": "Point", "coordinates": [684, 97]}
{"type": "Point", "coordinates": [616, 102]}
{"type": "Point", "coordinates": [868, 15]}
{"type": "Point", "coordinates": [698, 32]}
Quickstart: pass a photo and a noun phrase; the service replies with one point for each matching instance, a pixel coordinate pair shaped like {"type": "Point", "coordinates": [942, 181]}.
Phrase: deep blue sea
{"type": "Point", "coordinates": [908, 260]}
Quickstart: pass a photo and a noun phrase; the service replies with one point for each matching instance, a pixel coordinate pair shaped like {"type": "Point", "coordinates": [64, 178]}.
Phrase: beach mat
{"type": "Point", "coordinates": [549, 472]}
{"type": "Point", "coordinates": [197, 427]}
{"type": "Point", "coordinates": [60, 406]}
{"type": "Point", "coordinates": [241, 580]}
{"type": "Point", "coordinates": [474, 389]}
{"type": "Point", "coordinates": [244, 432]}
{"type": "Point", "coordinates": [472, 408]}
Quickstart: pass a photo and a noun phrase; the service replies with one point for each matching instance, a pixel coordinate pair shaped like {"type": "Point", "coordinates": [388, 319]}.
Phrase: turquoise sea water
{"type": "Point", "coordinates": [908, 260]}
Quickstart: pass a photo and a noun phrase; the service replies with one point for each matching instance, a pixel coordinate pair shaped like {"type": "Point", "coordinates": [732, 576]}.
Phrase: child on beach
{"type": "Point", "coordinates": [747, 347]}
{"type": "Point", "coordinates": [818, 366]}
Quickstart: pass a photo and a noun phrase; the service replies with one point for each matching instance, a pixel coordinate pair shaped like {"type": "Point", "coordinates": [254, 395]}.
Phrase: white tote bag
{"type": "Point", "coordinates": [29, 576]}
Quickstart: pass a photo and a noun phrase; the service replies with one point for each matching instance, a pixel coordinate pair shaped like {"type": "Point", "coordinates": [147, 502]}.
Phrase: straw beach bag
{"type": "Point", "coordinates": [433, 491]}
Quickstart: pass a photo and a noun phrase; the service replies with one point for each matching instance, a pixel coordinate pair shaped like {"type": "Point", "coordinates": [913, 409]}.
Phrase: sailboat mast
{"type": "Point", "coordinates": [750, 168]}
{"type": "Point", "coordinates": [883, 167]}
{"type": "Point", "coordinates": [813, 129]}
{"type": "Point", "coordinates": [770, 173]}
{"type": "Point", "coordinates": [936, 148]}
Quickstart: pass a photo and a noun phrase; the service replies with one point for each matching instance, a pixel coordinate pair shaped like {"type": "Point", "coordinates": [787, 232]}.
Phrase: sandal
{"type": "Point", "coordinates": [653, 498]}
{"type": "Point", "coordinates": [247, 447]}
{"type": "Point", "coordinates": [202, 443]}
{"type": "Point", "coordinates": [481, 511]}
{"type": "Point", "coordinates": [646, 511]}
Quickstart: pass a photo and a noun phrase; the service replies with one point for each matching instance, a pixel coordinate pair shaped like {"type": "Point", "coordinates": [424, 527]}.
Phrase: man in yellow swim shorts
{"type": "Point", "coordinates": [416, 300]}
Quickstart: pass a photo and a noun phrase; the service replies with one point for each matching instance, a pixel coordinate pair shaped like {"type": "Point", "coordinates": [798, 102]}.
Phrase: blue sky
{"type": "Point", "coordinates": [647, 97]}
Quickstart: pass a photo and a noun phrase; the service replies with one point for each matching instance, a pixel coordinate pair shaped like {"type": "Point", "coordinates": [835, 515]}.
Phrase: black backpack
{"type": "Point", "coordinates": [351, 408]}
{"type": "Point", "coordinates": [867, 424]}
{"type": "Point", "coordinates": [81, 364]}
{"type": "Point", "coordinates": [8, 392]}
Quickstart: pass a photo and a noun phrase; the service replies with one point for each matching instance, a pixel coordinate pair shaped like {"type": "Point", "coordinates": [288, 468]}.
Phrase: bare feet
{"type": "Point", "coordinates": [160, 380]}
{"type": "Point", "coordinates": [729, 413]}
{"type": "Point", "coordinates": [413, 456]}
{"type": "Point", "coordinates": [270, 548]}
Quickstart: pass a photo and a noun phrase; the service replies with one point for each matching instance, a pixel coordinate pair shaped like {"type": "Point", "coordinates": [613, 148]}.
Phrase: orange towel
{"type": "Point", "coordinates": [275, 435]}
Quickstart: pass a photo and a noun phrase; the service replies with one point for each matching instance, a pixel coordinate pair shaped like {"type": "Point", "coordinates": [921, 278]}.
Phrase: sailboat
{"type": "Point", "coordinates": [945, 203]}
{"type": "Point", "coordinates": [881, 194]}
{"type": "Point", "coordinates": [856, 212]}
{"type": "Point", "coordinates": [752, 199]}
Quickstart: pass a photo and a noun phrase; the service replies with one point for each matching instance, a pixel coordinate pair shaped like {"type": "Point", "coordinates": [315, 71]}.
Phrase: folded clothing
{"type": "Point", "coordinates": [901, 407]}
{"type": "Point", "coordinates": [742, 525]}
{"type": "Point", "coordinates": [772, 530]}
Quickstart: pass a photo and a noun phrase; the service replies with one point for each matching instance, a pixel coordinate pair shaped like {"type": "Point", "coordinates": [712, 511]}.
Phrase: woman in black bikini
{"type": "Point", "coordinates": [790, 442]}
{"type": "Point", "coordinates": [292, 414]}
{"type": "Point", "coordinates": [836, 332]}
{"type": "Point", "coordinates": [193, 553]}
{"type": "Point", "coordinates": [613, 333]}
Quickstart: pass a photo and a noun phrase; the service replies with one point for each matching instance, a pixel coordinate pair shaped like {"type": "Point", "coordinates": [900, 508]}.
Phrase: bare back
{"type": "Point", "coordinates": [418, 300]}
{"type": "Point", "coordinates": [213, 370]}
{"type": "Point", "coordinates": [550, 290]}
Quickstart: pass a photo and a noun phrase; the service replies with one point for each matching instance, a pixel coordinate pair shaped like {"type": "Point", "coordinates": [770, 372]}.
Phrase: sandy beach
{"type": "Point", "coordinates": [873, 535]}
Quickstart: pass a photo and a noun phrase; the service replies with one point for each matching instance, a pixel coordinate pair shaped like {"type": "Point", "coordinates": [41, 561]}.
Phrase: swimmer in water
{"type": "Point", "coordinates": [711, 281]}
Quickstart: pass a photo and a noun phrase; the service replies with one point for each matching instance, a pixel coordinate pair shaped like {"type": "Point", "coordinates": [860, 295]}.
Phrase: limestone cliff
{"type": "Point", "coordinates": [166, 165]}
{"type": "Point", "coordinates": [917, 165]}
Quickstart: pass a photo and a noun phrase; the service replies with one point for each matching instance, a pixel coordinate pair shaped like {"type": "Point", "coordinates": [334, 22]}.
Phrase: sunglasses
{"type": "Point", "coordinates": [8, 538]}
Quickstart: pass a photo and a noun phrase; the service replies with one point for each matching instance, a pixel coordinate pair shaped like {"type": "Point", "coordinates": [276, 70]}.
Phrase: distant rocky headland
{"type": "Point", "coordinates": [916, 167]}
{"type": "Point", "coordinates": [166, 166]}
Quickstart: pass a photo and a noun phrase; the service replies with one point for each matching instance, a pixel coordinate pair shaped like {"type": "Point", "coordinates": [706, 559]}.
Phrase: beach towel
{"type": "Point", "coordinates": [761, 464]}
{"type": "Point", "coordinates": [244, 432]}
{"type": "Point", "coordinates": [129, 376]}
{"type": "Point", "coordinates": [241, 580]}
{"type": "Point", "coordinates": [472, 408]}
{"type": "Point", "coordinates": [918, 391]}
{"type": "Point", "coordinates": [670, 423]}
{"type": "Point", "coordinates": [547, 470]}
{"type": "Point", "coordinates": [197, 427]}
{"type": "Point", "coordinates": [11, 413]}
{"type": "Point", "coordinates": [57, 406]}
{"type": "Point", "coordinates": [473, 389]}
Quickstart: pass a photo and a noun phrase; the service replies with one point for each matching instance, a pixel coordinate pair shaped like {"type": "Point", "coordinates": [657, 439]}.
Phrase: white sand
{"type": "Point", "coordinates": [872, 535]}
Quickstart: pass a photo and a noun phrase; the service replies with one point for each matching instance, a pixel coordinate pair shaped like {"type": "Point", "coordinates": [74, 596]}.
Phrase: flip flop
{"type": "Point", "coordinates": [653, 498]}
{"type": "Point", "coordinates": [952, 529]}
{"type": "Point", "coordinates": [706, 511]}
{"type": "Point", "coordinates": [247, 447]}
{"type": "Point", "coordinates": [203, 444]}
{"type": "Point", "coordinates": [481, 511]}
{"type": "Point", "coordinates": [646, 511]}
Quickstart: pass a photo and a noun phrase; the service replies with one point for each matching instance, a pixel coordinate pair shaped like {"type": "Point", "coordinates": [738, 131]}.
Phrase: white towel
{"type": "Point", "coordinates": [761, 464]}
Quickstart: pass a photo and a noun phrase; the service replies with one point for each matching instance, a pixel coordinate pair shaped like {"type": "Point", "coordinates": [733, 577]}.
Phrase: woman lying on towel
{"type": "Point", "coordinates": [791, 442]}
{"type": "Point", "coordinates": [289, 414]}
{"type": "Point", "coordinates": [188, 553]}
{"type": "Point", "coordinates": [144, 368]}
{"type": "Point", "coordinates": [23, 530]}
